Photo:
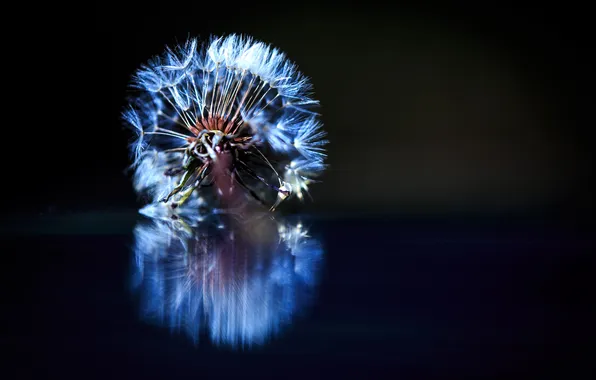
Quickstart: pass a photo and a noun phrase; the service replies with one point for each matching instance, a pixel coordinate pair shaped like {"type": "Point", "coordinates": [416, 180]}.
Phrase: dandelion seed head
{"type": "Point", "coordinates": [233, 96]}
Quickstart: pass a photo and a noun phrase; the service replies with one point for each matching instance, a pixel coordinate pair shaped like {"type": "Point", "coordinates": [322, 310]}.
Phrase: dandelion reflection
{"type": "Point", "coordinates": [239, 281]}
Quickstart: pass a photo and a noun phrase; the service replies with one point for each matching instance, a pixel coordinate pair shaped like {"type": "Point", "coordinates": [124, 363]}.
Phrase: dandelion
{"type": "Point", "coordinates": [234, 108]}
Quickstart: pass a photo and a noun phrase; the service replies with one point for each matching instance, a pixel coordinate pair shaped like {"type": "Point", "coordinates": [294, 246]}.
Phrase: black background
{"type": "Point", "coordinates": [458, 201]}
{"type": "Point", "coordinates": [430, 109]}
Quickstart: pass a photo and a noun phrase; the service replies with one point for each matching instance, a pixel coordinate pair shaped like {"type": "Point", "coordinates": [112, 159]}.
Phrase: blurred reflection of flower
{"type": "Point", "coordinates": [239, 280]}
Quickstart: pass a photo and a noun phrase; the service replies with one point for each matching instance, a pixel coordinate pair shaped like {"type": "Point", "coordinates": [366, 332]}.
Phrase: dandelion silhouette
{"type": "Point", "coordinates": [232, 114]}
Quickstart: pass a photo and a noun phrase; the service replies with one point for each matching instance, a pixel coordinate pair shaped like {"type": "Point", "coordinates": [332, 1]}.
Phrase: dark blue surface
{"type": "Point", "coordinates": [407, 298]}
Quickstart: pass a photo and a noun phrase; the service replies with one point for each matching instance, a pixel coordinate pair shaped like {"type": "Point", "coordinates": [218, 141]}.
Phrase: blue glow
{"type": "Point", "coordinates": [247, 91]}
{"type": "Point", "coordinates": [240, 284]}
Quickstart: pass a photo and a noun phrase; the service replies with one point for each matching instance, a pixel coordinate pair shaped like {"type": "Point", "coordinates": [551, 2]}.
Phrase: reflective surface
{"type": "Point", "coordinates": [396, 298]}
{"type": "Point", "coordinates": [238, 283]}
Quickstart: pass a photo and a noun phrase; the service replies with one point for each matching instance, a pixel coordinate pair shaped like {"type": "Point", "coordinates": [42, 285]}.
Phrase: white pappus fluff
{"type": "Point", "coordinates": [233, 98]}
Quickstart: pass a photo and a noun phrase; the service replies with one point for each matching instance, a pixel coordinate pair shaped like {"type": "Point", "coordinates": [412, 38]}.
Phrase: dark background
{"type": "Point", "coordinates": [457, 207]}
{"type": "Point", "coordinates": [429, 109]}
